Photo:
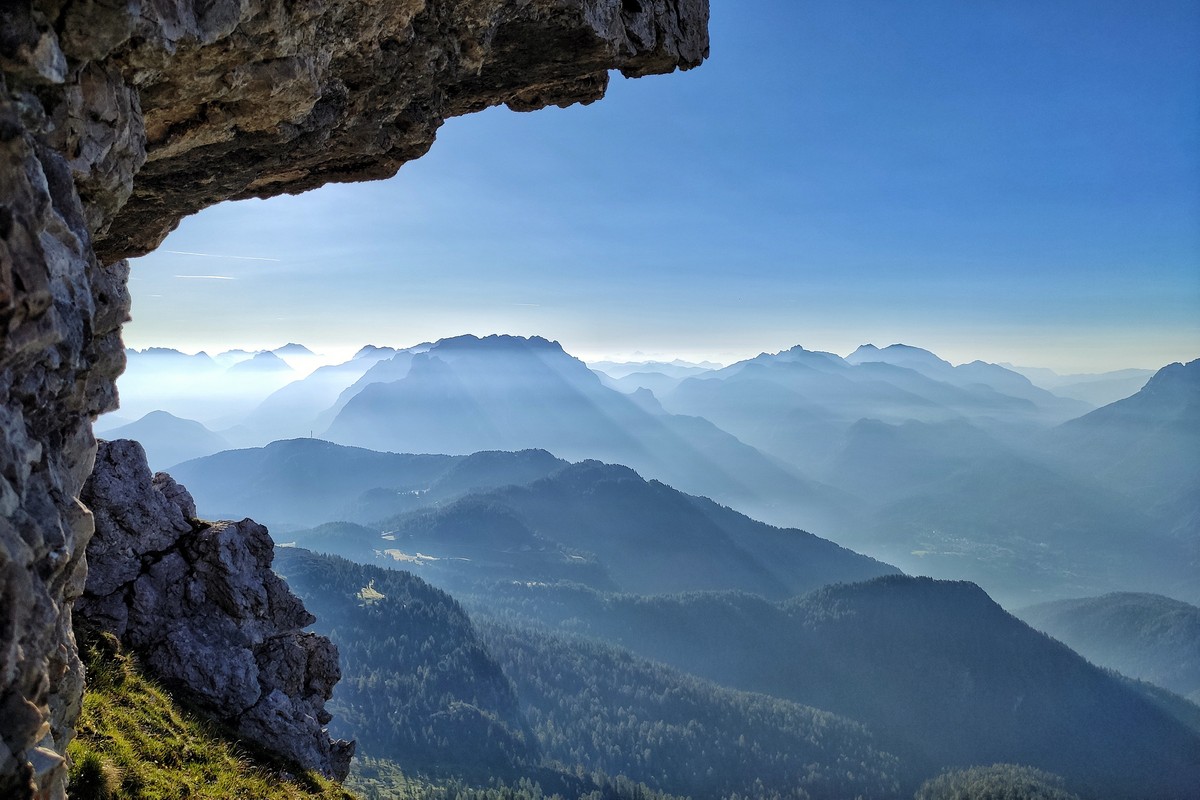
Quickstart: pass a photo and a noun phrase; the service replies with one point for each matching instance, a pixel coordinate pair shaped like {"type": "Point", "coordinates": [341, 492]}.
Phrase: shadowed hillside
{"type": "Point", "coordinates": [599, 525]}
{"type": "Point", "coordinates": [302, 481]}
{"type": "Point", "coordinates": [1145, 636]}
{"type": "Point", "coordinates": [939, 671]}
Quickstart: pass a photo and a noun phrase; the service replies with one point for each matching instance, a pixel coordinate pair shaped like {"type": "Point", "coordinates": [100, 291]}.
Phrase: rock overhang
{"type": "Point", "coordinates": [120, 117]}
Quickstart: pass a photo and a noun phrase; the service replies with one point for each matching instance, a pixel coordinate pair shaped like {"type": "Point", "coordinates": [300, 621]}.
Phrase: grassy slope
{"type": "Point", "coordinates": [135, 741]}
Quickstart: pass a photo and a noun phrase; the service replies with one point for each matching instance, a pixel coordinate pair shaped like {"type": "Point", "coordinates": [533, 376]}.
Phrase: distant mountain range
{"type": "Point", "coordinates": [979, 485]}
{"type": "Point", "coordinates": [657, 376]}
{"type": "Point", "coordinates": [672, 369]}
{"type": "Point", "coordinates": [614, 622]}
{"type": "Point", "coordinates": [293, 349]}
{"type": "Point", "coordinates": [1145, 447]}
{"type": "Point", "coordinates": [1099, 389]}
{"type": "Point", "coordinates": [168, 440]}
{"type": "Point", "coordinates": [505, 393]}
{"type": "Point", "coordinates": [292, 410]}
{"type": "Point", "coordinates": [973, 374]}
{"type": "Point", "coordinates": [798, 404]}
{"type": "Point", "coordinates": [970, 471]}
{"type": "Point", "coordinates": [217, 391]}
{"type": "Point", "coordinates": [261, 363]}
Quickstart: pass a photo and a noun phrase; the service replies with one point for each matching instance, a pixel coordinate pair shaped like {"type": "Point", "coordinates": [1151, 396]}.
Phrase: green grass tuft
{"type": "Point", "coordinates": [135, 741]}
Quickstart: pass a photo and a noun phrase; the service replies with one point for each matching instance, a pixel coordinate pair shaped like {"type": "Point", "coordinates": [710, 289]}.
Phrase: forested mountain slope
{"type": "Point", "coordinates": [421, 687]}
{"type": "Point", "coordinates": [417, 686]}
{"type": "Point", "coordinates": [940, 672]}
{"type": "Point", "coordinates": [1145, 636]}
{"type": "Point", "coordinates": [607, 709]}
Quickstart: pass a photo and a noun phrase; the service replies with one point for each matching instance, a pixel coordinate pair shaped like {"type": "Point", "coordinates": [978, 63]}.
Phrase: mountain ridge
{"type": "Point", "coordinates": [1142, 635]}
{"type": "Point", "coordinates": [467, 394]}
{"type": "Point", "coordinates": [936, 668]}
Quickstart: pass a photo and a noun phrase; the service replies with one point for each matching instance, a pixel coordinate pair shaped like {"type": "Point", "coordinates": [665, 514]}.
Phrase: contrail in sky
{"type": "Point", "coordinates": [208, 277]}
{"type": "Point", "coordinates": [218, 255]}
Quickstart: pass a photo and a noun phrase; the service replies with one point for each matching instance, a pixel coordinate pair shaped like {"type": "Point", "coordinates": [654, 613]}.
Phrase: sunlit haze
{"type": "Point", "coordinates": [1013, 182]}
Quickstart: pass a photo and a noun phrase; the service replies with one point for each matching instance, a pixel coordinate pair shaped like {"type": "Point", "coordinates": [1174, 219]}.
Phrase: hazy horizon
{"type": "Point", "coordinates": [1014, 183]}
{"type": "Point", "coordinates": [326, 353]}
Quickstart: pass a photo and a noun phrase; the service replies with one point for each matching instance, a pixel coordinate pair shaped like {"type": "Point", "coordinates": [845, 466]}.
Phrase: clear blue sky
{"type": "Point", "coordinates": [1015, 181]}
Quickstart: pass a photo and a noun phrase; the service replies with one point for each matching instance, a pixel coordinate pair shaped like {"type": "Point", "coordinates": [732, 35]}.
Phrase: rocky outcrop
{"type": "Point", "coordinates": [200, 605]}
{"type": "Point", "coordinates": [118, 118]}
{"type": "Point", "coordinates": [206, 101]}
{"type": "Point", "coordinates": [60, 350]}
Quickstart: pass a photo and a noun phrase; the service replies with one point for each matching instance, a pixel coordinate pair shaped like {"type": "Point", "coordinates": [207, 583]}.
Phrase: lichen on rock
{"type": "Point", "coordinates": [117, 119]}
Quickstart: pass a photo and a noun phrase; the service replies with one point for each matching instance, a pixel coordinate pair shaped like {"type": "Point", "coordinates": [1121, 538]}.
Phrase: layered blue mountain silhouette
{"type": "Point", "coordinates": [509, 393]}
{"type": "Point", "coordinates": [617, 606]}
{"type": "Point", "coordinates": [970, 471]}
{"type": "Point", "coordinates": [169, 439]}
{"type": "Point", "coordinates": [523, 516]}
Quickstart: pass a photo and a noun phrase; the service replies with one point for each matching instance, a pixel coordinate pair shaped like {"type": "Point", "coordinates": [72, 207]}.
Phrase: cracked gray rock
{"type": "Point", "coordinates": [199, 604]}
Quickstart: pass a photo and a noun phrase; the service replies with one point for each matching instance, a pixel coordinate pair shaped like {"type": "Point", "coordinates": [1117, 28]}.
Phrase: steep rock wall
{"type": "Point", "coordinates": [118, 118]}
{"type": "Point", "coordinates": [200, 605]}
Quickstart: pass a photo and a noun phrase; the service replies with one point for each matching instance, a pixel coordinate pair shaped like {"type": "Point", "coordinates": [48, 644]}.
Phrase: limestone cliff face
{"type": "Point", "coordinates": [119, 117]}
{"type": "Point", "coordinates": [200, 605]}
